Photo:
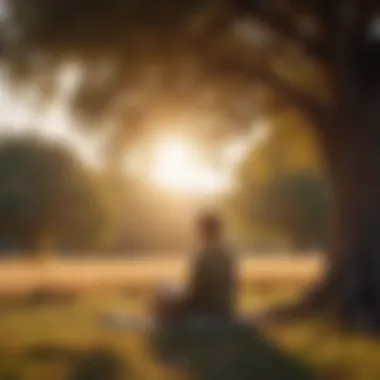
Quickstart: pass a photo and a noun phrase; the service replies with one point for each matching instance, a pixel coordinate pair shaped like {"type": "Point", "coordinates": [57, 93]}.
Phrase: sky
{"type": "Point", "coordinates": [19, 114]}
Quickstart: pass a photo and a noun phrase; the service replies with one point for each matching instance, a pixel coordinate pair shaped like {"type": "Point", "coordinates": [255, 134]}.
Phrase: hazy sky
{"type": "Point", "coordinates": [19, 114]}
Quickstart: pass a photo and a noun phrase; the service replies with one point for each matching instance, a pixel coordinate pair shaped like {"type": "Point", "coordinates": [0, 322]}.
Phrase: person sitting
{"type": "Point", "coordinates": [211, 287]}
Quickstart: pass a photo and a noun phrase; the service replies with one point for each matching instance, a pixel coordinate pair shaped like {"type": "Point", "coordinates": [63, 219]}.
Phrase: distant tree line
{"type": "Point", "coordinates": [50, 201]}
{"type": "Point", "coordinates": [282, 194]}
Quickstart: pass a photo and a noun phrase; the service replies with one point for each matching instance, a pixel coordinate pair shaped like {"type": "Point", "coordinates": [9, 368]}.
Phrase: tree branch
{"type": "Point", "coordinates": [318, 112]}
{"type": "Point", "coordinates": [286, 23]}
{"type": "Point", "coordinates": [291, 94]}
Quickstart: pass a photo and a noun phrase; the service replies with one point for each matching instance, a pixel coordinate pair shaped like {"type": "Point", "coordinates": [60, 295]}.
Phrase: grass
{"type": "Point", "coordinates": [64, 340]}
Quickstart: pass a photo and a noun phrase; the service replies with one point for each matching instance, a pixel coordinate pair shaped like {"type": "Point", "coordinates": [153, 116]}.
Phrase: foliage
{"type": "Point", "coordinates": [295, 206]}
{"type": "Point", "coordinates": [173, 59]}
{"type": "Point", "coordinates": [226, 61]}
{"type": "Point", "coordinates": [201, 52]}
{"type": "Point", "coordinates": [129, 56]}
{"type": "Point", "coordinates": [47, 196]}
{"type": "Point", "coordinates": [282, 193]}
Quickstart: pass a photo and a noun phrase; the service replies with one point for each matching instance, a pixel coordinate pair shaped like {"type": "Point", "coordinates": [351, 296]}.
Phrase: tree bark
{"type": "Point", "coordinates": [355, 252]}
{"type": "Point", "coordinates": [350, 288]}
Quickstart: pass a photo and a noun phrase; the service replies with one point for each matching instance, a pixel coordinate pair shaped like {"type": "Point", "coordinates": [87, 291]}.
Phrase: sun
{"type": "Point", "coordinates": [178, 167]}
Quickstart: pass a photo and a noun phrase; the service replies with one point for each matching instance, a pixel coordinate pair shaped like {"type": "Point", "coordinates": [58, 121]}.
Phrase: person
{"type": "Point", "coordinates": [211, 288]}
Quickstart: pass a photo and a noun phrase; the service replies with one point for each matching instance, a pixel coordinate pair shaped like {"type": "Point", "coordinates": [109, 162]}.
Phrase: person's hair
{"type": "Point", "coordinates": [209, 223]}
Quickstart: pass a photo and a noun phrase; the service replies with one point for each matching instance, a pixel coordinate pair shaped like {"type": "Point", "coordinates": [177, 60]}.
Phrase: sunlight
{"type": "Point", "coordinates": [177, 167]}
{"type": "Point", "coordinates": [20, 116]}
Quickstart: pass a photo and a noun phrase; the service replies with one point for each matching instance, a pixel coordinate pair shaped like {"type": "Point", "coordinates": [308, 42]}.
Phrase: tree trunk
{"type": "Point", "coordinates": [350, 289]}
{"type": "Point", "coordinates": [354, 277]}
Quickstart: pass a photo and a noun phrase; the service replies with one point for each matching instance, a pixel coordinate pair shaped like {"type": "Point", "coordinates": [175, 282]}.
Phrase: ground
{"type": "Point", "coordinates": [46, 336]}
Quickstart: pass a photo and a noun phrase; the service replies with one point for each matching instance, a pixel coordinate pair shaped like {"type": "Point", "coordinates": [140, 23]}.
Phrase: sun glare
{"type": "Point", "coordinates": [178, 167]}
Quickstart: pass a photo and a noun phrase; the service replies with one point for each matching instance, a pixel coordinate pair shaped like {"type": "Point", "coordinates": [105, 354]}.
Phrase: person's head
{"type": "Point", "coordinates": [209, 227]}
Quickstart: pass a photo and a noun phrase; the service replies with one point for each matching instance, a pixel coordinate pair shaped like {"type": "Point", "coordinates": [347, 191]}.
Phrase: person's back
{"type": "Point", "coordinates": [212, 277]}
{"type": "Point", "coordinates": [211, 287]}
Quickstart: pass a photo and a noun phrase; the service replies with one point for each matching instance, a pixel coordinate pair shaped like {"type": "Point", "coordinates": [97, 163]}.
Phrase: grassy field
{"type": "Point", "coordinates": [18, 276]}
{"type": "Point", "coordinates": [59, 336]}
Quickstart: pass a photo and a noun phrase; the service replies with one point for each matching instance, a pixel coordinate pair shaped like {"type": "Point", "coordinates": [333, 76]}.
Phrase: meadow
{"type": "Point", "coordinates": [50, 327]}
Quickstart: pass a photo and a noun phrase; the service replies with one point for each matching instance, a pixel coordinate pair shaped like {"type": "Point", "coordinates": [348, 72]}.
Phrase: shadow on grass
{"type": "Point", "coordinates": [38, 298]}
{"type": "Point", "coordinates": [99, 363]}
{"type": "Point", "coordinates": [239, 353]}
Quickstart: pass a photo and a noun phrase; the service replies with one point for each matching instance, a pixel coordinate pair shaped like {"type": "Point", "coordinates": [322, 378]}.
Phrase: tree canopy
{"type": "Point", "coordinates": [48, 198]}
{"type": "Point", "coordinates": [282, 192]}
{"type": "Point", "coordinates": [164, 53]}
{"type": "Point", "coordinates": [294, 206]}
{"type": "Point", "coordinates": [193, 57]}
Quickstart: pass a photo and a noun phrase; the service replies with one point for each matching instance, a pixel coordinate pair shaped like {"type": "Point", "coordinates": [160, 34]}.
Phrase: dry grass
{"type": "Point", "coordinates": [45, 340]}
{"type": "Point", "coordinates": [22, 276]}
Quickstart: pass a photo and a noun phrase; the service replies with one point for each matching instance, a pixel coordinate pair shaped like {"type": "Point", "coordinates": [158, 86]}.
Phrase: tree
{"type": "Point", "coordinates": [294, 205]}
{"type": "Point", "coordinates": [343, 43]}
{"type": "Point", "coordinates": [281, 189]}
{"type": "Point", "coordinates": [92, 222]}
{"type": "Point", "coordinates": [47, 196]}
{"type": "Point", "coordinates": [334, 46]}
